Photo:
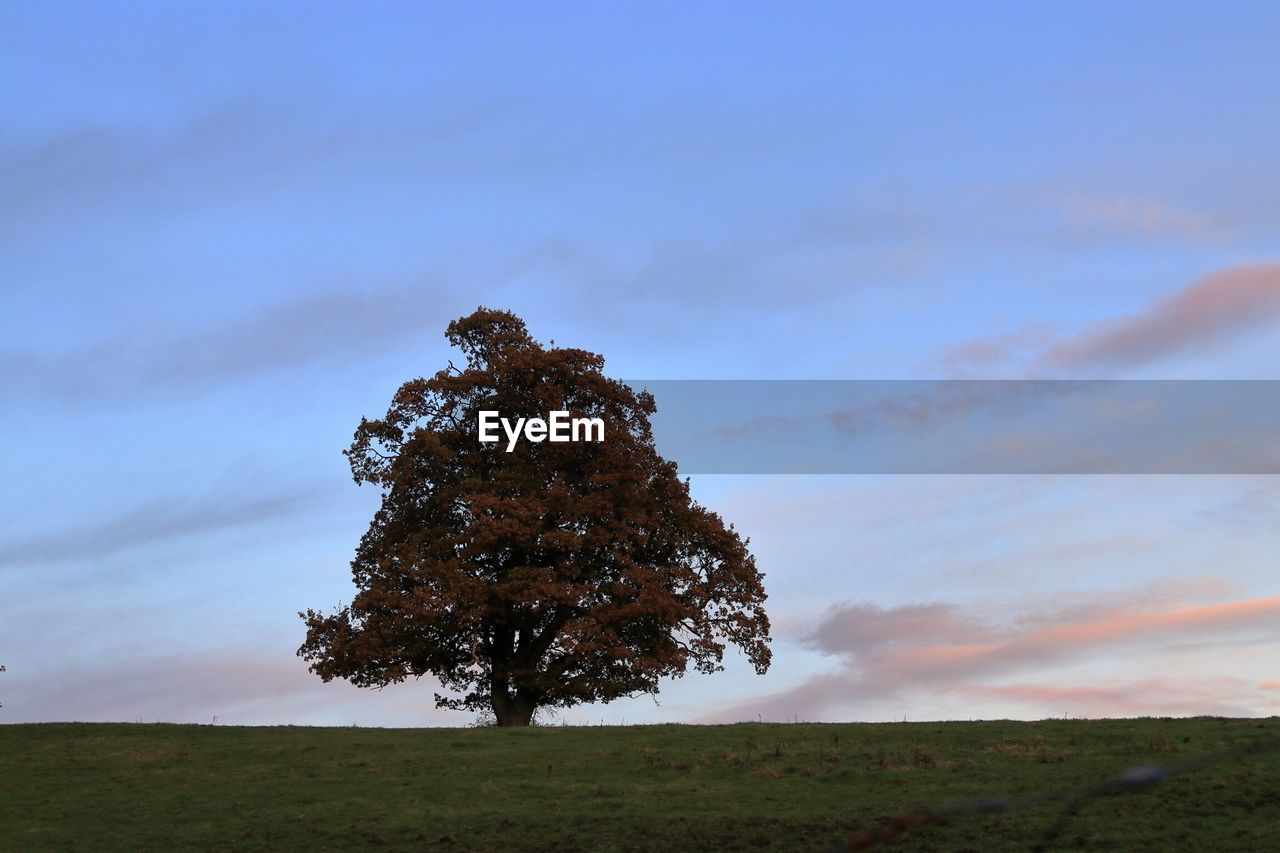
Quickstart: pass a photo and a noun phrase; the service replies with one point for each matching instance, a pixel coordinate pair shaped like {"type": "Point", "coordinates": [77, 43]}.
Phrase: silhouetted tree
{"type": "Point", "coordinates": [551, 575]}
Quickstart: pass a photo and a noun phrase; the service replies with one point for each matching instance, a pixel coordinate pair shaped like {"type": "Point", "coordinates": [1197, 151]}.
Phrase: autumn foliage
{"type": "Point", "coordinates": [548, 576]}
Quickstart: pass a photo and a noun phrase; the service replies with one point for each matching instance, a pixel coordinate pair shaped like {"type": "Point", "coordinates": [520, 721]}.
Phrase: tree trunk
{"type": "Point", "coordinates": [515, 715]}
{"type": "Point", "coordinates": [509, 709]}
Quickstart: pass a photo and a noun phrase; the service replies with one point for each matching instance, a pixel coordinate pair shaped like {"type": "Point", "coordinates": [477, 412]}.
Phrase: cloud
{"type": "Point", "coordinates": [1200, 315]}
{"type": "Point", "coordinates": [685, 285]}
{"type": "Point", "coordinates": [1037, 646]}
{"type": "Point", "coordinates": [158, 521]}
{"type": "Point", "coordinates": [858, 629]}
{"type": "Point", "coordinates": [1146, 217]}
{"type": "Point", "coordinates": [926, 226]}
{"type": "Point", "coordinates": [1204, 314]}
{"type": "Point", "coordinates": [977, 356]}
{"type": "Point", "coordinates": [337, 325]}
{"type": "Point", "coordinates": [936, 649]}
{"type": "Point", "coordinates": [237, 688]}
{"type": "Point", "coordinates": [1254, 507]}
{"type": "Point", "coordinates": [1231, 697]}
{"type": "Point", "coordinates": [240, 146]}
{"type": "Point", "coordinates": [336, 322]}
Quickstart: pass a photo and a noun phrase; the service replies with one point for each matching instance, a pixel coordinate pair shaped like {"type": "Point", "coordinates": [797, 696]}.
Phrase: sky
{"type": "Point", "coordinates": [228, 231]}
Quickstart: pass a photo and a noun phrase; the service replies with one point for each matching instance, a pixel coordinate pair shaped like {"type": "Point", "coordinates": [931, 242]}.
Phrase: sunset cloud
{"type": "Point", "coordinates": [857, 629]}
{"type": "Point", "coordinates": [939, 649]}
{"type": "Point", "coordinates": [1210, 311]}
{"type": "Point", "coordinates": [1139, 697]}
{"type": "Point", "coordinates": [1200, 315]}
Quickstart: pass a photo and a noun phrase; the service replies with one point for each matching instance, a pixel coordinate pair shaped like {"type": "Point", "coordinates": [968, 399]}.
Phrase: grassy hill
{"type": "Point", "coordinates": [750, 786]}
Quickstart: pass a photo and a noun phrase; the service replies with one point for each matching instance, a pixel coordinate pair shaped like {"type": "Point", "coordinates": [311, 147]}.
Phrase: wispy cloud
{"type": "Point", "coordinates": [326, 326]}
{"type": "Point", "coordinates": [158, 521]}
{"type": "Point", "coordinates": [1255, 507]}
{"type": "Point", "coordinates": [242, 146]}
{"type": "Point", "coordinates": [1138, 697]}
{"type": "Point", "coordinates": [993, 352]}
{"type": "Point", "coordinates": [237, 688]}
{"type": "Point", "coordinates": [1014, 214]}
{"type": "Point", "coordinates": [1124, 215]}
{"type": "Point", "coordinates": [1206, 313]}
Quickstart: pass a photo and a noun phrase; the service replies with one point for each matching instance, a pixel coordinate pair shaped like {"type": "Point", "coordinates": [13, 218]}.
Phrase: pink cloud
{"type": "Point", "coordinates": [963, 359]}
{"type": "Point", "coordinates": [936, 649]}
{"type": "Point", "coordinates": [1144, 697]}
{"type": "Point", "coordinates": [861, 628]}
{"type": "Point", "coordinates": [1033, 647]}
{"type": "Point", "coordinates": [1205, 313]}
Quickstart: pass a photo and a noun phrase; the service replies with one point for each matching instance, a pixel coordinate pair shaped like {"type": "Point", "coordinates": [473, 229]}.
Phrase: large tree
{"type": "Point", "coordinates": [544, 576]}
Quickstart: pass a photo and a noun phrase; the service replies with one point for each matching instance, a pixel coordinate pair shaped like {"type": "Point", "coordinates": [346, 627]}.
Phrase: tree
{"type": "Point", "coordinates": [545, 576]}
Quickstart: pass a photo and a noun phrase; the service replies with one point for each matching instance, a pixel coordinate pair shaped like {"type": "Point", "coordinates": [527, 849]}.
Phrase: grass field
{"type": "Point", "coordinates": [750, 786]}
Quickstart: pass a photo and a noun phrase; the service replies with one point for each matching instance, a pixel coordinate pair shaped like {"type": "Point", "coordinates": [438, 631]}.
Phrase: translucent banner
{"type": "Point", "coordinates": [968, 426]}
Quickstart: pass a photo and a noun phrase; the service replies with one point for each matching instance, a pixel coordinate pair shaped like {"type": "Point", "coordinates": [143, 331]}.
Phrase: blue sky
{"type": "Point", "coordinates": [231, 230]}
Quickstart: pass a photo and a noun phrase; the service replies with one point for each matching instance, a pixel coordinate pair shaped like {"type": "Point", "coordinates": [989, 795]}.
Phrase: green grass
{"type": "Point", "coordinates": [751, 786]}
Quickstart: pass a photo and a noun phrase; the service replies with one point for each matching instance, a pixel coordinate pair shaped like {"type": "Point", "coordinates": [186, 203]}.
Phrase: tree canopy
{"type": "Point", "coordinates": [549, 575]}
